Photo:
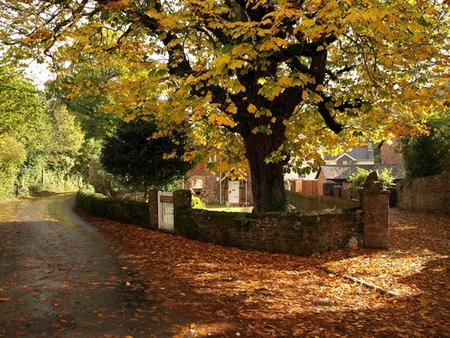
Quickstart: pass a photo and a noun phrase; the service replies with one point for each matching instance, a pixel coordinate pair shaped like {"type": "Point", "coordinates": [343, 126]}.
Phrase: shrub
{"type": "Point", "coordinates": [359, 178]}
{"type": "Point", "coordinates": [197, 203]}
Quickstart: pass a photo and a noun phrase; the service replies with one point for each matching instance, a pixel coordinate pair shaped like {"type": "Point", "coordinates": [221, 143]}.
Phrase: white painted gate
{"type": "Point", "coordinates": [165, 210]}
{"type": "Point", "coordinates": [233, 192]}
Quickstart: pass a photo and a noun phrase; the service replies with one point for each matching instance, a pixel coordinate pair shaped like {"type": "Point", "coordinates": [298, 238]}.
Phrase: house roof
{"type": "Point", "coordinates": [343, 172]}
{"type": "Point", "coordinates": [355, 153]}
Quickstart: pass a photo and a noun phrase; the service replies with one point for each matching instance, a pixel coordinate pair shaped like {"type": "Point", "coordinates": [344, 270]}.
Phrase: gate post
{"type": "Point", "coordinates": [181, 199]}
{"type": "Point", "coordinates": [375, 205]}
{"type": "Point", "coordinates": [153, 208]}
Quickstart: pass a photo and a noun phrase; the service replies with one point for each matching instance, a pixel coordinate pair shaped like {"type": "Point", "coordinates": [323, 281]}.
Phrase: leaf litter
{"type": "Point", "coordinates": [227, 292]}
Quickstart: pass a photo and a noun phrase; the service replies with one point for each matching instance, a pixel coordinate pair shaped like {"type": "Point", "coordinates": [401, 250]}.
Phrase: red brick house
{"type": "Point", "coordinates": [231, 187]}
{"type": "Point", "coordinates": [389, 154]}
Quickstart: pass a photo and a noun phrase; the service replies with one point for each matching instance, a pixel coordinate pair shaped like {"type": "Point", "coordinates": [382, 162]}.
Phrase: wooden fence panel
{"type": "Point", "coordinates": [317, 202]}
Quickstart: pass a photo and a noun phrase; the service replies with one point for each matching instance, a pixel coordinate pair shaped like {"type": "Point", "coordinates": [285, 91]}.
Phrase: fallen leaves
{"type": "Point", "coordinates": [172, 286]}
{"type": "Point", "coordinates": [263, 295]}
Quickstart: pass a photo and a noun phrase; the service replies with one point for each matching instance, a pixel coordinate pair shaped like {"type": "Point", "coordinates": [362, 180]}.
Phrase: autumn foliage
{"type": "Point", "coordinates": [258, 83]}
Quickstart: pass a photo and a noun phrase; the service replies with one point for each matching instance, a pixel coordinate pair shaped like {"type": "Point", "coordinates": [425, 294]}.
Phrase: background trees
{"type": "Point", "coordinates": [428, 154]}
{"type": "Point", "coordinates": [39, 139]}
{"type": "Point", "coordinates": [142, 161]}
{"type": "Point", "coordinates": [22, 129]}
{"type": "Point", "coordinates": [270, 81]}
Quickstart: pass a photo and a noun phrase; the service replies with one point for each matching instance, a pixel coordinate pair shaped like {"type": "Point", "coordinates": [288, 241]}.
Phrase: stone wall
{"type": "Point", "coordinates": [425, 194]}
{"type": "Point", "coordinates": [301, 235]}
{"type": "Point", "coordinates": [290, 233]}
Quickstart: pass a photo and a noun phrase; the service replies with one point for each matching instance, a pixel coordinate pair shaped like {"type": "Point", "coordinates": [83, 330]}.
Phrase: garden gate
{"type": "Point", "coordinates": [165, 210]}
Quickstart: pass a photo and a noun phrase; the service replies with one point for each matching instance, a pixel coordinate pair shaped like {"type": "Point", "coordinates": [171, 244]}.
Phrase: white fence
{"type": "Point", "coordinates": [165, 210]}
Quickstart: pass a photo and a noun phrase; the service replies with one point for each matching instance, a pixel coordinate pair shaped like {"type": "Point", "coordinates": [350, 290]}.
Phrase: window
{"type": "Point", "coordinates": [197, 183]}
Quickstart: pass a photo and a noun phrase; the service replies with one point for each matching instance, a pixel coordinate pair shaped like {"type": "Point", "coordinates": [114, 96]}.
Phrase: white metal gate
{"type": "Point", "coordinates": [165, 210]}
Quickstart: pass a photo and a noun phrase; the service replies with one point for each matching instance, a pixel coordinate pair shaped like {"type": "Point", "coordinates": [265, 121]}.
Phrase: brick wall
{"type": "Point", "coordinates": [388, 153]}
{"type": "Point", "coordinates": [302, 235]}
{"type": "Point", "coordinates": [320, 182]}
{"type": "Point", "coordinates": [425, 194]}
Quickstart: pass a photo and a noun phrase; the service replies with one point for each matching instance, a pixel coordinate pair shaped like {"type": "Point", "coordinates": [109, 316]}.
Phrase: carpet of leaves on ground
{"type": "Point", "coordinates": [227, 292]}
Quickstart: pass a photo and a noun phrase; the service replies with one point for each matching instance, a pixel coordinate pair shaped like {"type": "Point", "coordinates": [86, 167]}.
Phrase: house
{"type": "Point", "coordinates": [389, 153]}
{"type": "Point", "coordinates": [329, 177]}
{"type": "Point", "coordinates": [356, 156]}
{"type": "Point", "coordinates": [334, 177]}
{"type": "Point", "coordinates": [232, 187]}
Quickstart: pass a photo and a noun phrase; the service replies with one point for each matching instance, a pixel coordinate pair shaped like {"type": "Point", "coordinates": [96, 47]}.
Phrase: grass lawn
{"type": "Point", "coordinates": [229, 208]}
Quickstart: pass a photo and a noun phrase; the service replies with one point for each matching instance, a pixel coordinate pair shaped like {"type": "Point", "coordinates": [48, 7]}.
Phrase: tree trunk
{"type": "Point", "coordinates": [267, 179]}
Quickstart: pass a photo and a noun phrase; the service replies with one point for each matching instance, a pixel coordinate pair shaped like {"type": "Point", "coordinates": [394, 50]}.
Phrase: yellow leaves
{"type": "Point", "coordinates": [221, 64]}
{"type": "Point", "coordinates": [273, 44]}
{"type": "Point", "coordinates": [168, 156]}
{"type": "Point", "coordinates": [220, 119]}
{"type": "Point", "coordinates": [153, 13]}
{"type": "Point", "coordinates": [222, 167]}
{"type": "Point", "coordinates": [234, 86]}
{"type": "Point", "coordinates": [329, 11]}
{"type": "Point", "coordinates": [264, 129]}
{"type": "Point", "coordinates": [270, 91]}
{"type": "Point", "coordinates": [236, 64]}
{"type": "Point", "coordinates": [120, 4]}
{"type": "Point", "coordinates": [285, 81]}
{"type": "Point", "coordinates": [305, 95]}
{"type": "Point", "coordinates": [40, 34]}
{"type": "Point", "coordinates": [252, 108]}
{"type": "Point", "coordinates": [245, 51]}
{"type": "Point", "coordinates": [232, 108]}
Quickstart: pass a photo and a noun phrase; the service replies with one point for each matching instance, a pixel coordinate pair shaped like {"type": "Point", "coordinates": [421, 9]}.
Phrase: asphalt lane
{"type": "Point", "coordinates": [60, 278]}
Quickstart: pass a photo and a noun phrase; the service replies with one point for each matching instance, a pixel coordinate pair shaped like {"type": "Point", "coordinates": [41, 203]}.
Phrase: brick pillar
{"type": "Point", "coordinates": [153, 208]}
{"type": "Point", "coordinates": [181, 200]}
{"type": "Point", "coordinates": [375, 205]}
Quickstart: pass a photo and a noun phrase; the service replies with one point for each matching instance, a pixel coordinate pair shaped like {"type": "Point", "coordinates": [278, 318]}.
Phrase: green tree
{"type": "Point", "coordinates": [12, 155]}
{"type": "Point", "coordinates": [67, 139]}
{"type": "Point", "coordinates": [269, 80]}
{"type": "Point", "coordinates": [23, 128]}
{"type": "Point", "coordinates": [142, 160]}
{"type": "Point", "coordinates": [428, 153]}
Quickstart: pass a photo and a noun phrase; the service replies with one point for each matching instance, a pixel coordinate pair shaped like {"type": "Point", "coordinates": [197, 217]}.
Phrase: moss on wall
{"type": "Point", "coordinates": [126, 211]}
{"type": "Point", "coordinates": [288, 233]}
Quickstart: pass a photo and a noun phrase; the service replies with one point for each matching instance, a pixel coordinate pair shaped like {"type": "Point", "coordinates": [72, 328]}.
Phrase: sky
{"type": "Point", "coordinates": [38, 73]}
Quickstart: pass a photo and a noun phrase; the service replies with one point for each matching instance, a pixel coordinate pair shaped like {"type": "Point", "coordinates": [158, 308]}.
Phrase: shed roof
{"type": "Point", "coordinates": [343, 172]}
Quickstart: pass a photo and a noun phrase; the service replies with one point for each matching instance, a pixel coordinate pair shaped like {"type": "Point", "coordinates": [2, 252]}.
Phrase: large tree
{"type": "Point", "coordinates": [268, 80]}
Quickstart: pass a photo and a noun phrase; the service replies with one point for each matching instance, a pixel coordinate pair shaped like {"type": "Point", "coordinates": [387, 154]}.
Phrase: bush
{"type": "Point", "coordinates": [197, 203]}
{"type": "Point", "coordinates": [359, 178]}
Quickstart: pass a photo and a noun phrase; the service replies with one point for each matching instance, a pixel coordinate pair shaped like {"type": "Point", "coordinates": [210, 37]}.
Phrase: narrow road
{"type": "Point", "coordinates": [59, 277]}
{"type": "Point", "coordinates": [64, 275]}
